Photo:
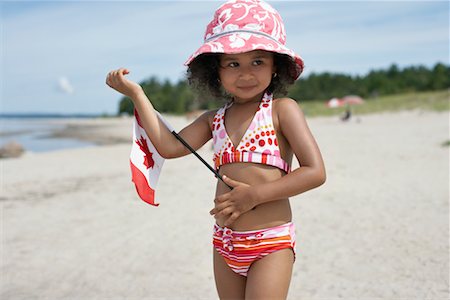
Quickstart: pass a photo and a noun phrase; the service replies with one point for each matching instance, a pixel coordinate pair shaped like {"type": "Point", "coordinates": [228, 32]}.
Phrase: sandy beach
{"type": "Point", "coordinates": [73, 227]}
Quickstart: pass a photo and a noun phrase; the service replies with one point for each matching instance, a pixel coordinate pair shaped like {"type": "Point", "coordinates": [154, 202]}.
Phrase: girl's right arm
{"type": "Point", "coordinates": [196, 134]}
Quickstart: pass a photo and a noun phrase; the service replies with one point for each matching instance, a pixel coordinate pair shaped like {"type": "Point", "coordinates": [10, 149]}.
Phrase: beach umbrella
{"type": "Point", "coordinates": [352, 100]}
{"type": "Point", "coordinates": [346, 101]}
{"type": "Point", "coordinates": [335, 102]}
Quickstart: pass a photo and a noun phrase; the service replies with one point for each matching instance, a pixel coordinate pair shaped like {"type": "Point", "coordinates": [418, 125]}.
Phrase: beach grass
{"type": "Point", "coordinates": [446, 143]}
{"type": "Point", "coordinates": [432, 101]}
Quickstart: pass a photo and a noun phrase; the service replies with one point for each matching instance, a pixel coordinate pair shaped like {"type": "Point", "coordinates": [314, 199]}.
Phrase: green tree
{"type": "Point", "coordinates": [178, 98]}
{"type": "Point", "coordinates": [440, 77]}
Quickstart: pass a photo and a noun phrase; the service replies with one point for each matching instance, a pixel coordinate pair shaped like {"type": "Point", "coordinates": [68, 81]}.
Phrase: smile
{"type": "Point", "coordinates": [247, 87]}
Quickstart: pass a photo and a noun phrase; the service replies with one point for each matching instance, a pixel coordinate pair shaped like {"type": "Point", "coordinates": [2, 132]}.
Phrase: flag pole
{"type": "Point", "coordinates": [199, 157]}
{"type": "Point", "coordinates": [216, 174]}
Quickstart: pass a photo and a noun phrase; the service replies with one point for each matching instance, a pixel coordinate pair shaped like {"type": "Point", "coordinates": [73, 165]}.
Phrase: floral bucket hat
{"type": "Point", "coordinates": [245, 25]}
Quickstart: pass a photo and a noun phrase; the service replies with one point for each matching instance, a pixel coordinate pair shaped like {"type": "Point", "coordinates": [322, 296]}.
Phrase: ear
{"type": "Point", "coordinates": [274, 63]}
{"type": "Point", "coordinates": [274, 68]}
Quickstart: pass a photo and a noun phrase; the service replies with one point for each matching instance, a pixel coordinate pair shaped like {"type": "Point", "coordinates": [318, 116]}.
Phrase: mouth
{"type": "Point", "coordinates": [249, 87]}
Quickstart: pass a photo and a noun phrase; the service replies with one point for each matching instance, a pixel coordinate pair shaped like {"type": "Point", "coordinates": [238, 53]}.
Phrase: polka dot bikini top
{"type": "Point", "coordinates": [258, 145]}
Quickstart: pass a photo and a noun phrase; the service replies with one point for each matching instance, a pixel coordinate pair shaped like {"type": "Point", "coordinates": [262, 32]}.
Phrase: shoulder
{"type": "Point", "coordinates": [208, 116]}
{"type": "Point", "coordinates": [286, 107]}
{"type": "Point", "coordinates": [285, 102]}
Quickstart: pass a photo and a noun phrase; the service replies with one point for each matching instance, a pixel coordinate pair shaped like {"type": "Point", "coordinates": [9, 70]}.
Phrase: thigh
{"type": "Point", "coordinates": [229, 284]}
{"type": "Point", "coordinates": [270, 276]}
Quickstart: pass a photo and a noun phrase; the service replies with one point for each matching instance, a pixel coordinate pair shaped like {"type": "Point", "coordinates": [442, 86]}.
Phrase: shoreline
{"type": "Point", "coordinates": [87, 131]}
{"type": "Point", "coordinates": [99, 132]}
{"type": "Point", "coordinates": [118, 130]}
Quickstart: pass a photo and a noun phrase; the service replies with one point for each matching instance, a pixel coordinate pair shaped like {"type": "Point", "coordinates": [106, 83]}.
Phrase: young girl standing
{"type": "Point", "coordinates": [244, 60]}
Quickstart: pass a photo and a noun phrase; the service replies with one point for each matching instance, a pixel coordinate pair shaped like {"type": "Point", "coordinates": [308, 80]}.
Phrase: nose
{"type": "Point", "coordinates": [246, 73]}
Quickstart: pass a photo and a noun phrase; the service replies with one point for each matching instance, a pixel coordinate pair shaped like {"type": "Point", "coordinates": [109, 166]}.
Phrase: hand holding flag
{"type": "Point", "coordinates": [145, 161]}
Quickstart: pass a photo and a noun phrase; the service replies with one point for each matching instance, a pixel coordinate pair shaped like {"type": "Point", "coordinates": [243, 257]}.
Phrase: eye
{"type": "Point", "coordinates": [233, 64]}
{"type": "Point", "coordinates": [257, 62]}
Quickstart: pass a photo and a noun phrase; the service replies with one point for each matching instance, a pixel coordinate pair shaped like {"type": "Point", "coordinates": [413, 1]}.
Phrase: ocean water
{"type": "Point", "coordinates": [33, 133]}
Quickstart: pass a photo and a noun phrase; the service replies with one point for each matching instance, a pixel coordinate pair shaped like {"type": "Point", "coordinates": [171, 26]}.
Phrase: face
{"type": "Point", "coordinates": [246, 75]}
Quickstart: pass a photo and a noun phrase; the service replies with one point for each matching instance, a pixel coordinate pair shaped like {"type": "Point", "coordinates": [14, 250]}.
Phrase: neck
{"type": "Point", "coordinates": [255, 99]}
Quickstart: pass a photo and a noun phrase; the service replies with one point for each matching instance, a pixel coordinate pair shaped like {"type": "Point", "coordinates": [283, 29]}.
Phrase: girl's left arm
{"type": "Point", "coordinates": [311, 173]}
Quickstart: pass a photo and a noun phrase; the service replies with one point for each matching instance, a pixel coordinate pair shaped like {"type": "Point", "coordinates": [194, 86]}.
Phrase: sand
{"type": "Point", "coordinates": [73, 227]}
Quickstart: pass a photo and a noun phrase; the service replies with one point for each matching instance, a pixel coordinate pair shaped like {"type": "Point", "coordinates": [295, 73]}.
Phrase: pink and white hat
{"type": "Point", "coordinates": [244, 25]}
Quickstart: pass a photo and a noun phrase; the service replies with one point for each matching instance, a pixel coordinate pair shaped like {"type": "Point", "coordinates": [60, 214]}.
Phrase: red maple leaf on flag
{"type": "Point", "coordinates": [148, 157]}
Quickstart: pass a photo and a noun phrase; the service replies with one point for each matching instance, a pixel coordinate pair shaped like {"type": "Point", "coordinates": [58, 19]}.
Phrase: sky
{"type": "Point", "coordinates": [55, 55]}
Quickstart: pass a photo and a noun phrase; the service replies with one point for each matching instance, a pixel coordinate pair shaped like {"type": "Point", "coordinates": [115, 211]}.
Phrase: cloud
{"type": "Point", "coordinates": [65, 86]}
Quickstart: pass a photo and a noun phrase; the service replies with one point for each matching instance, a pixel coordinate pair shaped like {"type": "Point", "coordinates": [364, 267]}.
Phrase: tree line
{"type": "Point", "coordinates": [179, 98]}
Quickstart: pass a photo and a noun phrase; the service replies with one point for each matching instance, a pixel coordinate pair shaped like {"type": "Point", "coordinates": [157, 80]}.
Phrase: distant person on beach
{"type": "Point", "coordinates": [244, 61]}
{"type": "Point", "coordinates": [347, 114]}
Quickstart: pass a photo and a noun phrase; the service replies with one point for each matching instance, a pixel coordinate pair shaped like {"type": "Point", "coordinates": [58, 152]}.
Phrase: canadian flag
{"type": "Point", "coordinates": [146, 163]}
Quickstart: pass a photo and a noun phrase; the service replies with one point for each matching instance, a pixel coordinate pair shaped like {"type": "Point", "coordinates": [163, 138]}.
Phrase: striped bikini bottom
{"type": "Point", "coordinates": [241, 248]}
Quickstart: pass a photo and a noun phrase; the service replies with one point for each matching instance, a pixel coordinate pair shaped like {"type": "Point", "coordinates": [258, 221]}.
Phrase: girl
{"type": "Point", "coordinates": [244, 59]}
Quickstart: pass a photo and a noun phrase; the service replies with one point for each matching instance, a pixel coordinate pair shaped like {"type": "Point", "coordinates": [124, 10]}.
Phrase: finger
{"type": "Point", "coordinates": [231, 182]}
{"type": "Point", "coordinates": [111, 73]}
{"type": "Point", "coordinates": [114, 80]}
{"type": "Point", "coordinates": [119, 76]}
{"type": "Point", "coordinates": [219, 207]}
{"type": "Point", "coordinates": [109, 79]}
{"type": "Point", "coordinates": [231, 219]}
{"type": "Point", "coordinates": [214, 211]}
{"type": "Point", "coordinates": [122, 72]}
{"type": "Point", "coordinates": [224, 212]}
{"type": "Point", "coordinates": [221, 198]}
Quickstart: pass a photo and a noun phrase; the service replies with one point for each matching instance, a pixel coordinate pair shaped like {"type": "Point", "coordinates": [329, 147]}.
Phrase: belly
{"type": "Point", "coordinates": [264, 215]}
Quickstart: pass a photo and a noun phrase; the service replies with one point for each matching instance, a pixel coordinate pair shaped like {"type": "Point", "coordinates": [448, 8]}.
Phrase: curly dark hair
{"type": "Point", "coordinates": [203, 75]}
